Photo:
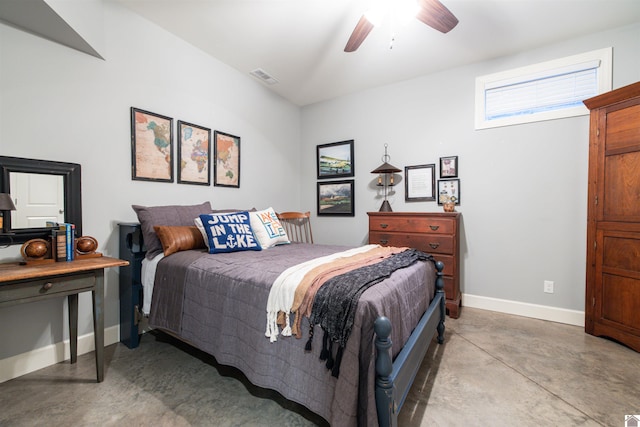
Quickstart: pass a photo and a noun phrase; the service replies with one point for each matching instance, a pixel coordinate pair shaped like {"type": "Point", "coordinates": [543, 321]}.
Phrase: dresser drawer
{"type": "Point", "coordinates": [449, 264]}
{"type": "Point", "coordinates": [58, 286]}
{"type": "Point", "coordinates": [436, 244]}
{"type": "Point", "coordinates": [413, 224]}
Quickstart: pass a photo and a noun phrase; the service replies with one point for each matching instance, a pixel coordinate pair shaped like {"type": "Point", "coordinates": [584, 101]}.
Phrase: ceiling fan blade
{"type": "Point", "coordinates": [360, 32]}
{"type": "Point", "coordinates": [436, 15]}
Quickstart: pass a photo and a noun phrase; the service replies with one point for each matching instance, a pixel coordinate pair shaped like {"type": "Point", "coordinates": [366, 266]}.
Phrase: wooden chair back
{"type": "Point", "coordinates": [297, 225]}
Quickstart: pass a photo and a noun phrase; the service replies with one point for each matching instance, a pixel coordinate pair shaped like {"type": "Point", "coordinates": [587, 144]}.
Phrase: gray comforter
{"type": "Point", "coordinates": [218, 303]}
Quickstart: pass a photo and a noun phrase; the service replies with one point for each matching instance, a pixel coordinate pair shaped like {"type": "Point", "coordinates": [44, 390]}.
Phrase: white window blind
{"type": "Point", "coordinates": [545, 91]}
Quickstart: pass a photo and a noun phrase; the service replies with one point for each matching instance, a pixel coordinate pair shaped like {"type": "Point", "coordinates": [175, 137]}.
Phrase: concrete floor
{"type": "Point", "coordinates": [493, 370]}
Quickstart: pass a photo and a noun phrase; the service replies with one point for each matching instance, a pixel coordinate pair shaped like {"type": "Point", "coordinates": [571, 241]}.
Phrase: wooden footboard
{"type": "Point", "coordinates": [394, 379]}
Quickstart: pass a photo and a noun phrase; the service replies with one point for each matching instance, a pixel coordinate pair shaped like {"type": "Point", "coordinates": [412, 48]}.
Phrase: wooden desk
{"type": "Point", "coordinates": [27, 283]}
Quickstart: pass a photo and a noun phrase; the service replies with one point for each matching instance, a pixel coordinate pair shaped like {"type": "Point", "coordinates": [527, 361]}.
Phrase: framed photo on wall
{"type": "Point", "coordinates": [194, 154]}
{"type": "Point", "coordinates": [420, 183]}
{"type": "Point", "coordinates": [151, 146]}
{"type": "Point", "coordinates": [335, 198]}
{"type": "Point", "coordinates": [449, 167]}
{"type": "Point", "coordinates": [335, 160]}
{"type": "Point", "coordinates": [226, 169]}
{"type": "Point", "coordinates": [448, 188]}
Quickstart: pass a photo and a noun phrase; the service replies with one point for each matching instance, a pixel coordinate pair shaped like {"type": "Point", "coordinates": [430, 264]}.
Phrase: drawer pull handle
{"type": "Point", "coordinates": [47, 286]}
{"type": "Point", "coordinates": [384, 225]}
{"type": "Point", "coordinates": [383, 241]}
{"type": "Point", "coordinates": [434, 227]}
{"type": "Point", "coordinates": [434, 245]}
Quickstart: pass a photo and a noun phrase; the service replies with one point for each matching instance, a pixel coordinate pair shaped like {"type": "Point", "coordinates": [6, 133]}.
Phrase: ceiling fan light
{"type": "Point", "coordinates": [375, 16]}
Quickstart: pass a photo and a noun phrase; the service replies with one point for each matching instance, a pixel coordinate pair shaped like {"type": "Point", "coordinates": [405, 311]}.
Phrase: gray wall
{"type": "Point", "coordinates": [523, 188]}
{"type": "Point", "coordinates": [59, 104]}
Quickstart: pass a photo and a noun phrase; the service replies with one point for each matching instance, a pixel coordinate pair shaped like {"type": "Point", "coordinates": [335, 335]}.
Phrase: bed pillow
{"type": "Point", "coordinates": [198, 222]}
{"type": "Point", "coordinates": [230, 232]}
{"type": "Point", "coordinates": [150, 216]}
{"type": "Point", "coordinates": [176, 238]}
{"type": "Point", "coordinates": [268, 229]}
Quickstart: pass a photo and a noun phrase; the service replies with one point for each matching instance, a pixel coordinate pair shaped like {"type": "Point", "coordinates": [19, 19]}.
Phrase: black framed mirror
{"type": "Point", "coordinates": [71, 188]}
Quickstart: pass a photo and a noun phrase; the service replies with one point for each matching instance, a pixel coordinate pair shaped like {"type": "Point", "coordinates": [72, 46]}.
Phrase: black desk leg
{"type": "Point", "coordinates": [98, 323]}
{"type": "Point", "coordinates": [73, 326]}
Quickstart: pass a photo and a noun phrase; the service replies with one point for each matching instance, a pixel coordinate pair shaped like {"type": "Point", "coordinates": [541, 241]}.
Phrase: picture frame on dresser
{"type": "Point", "coordinates": [151, 146]}
{"type": "Point", "coordinates": [448, 188]}
{"type": "Point", "coordinates": [420, 183]}
{"type": "Point", "coordinates": [194, 154]}
{"type": "Point", "coordinates": [336, 198]}
{"type": "Point", "coordinates": [335, 160]}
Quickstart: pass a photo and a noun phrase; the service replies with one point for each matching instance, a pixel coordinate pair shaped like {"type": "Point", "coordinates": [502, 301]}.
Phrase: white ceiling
{"type": "Point", "coordinates": [301, 42]}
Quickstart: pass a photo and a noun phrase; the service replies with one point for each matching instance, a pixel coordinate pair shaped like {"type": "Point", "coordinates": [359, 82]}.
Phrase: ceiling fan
{"type": "Point", "coordinates": [431, 12]}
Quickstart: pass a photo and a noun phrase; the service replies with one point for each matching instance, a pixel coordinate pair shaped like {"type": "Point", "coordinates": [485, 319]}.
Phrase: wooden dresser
{"type": "Point", "coordinates": [433, 233]}
{"type": "Point", "coordinates": [613, 217]}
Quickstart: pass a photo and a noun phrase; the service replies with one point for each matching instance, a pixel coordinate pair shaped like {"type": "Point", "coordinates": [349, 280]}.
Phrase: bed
{"type": "Point", "coordinates": [218, 303]}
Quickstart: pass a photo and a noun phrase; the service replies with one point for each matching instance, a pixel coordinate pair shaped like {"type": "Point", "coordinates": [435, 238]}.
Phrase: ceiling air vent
{"type": "Point", "coordinates": [264, 76]}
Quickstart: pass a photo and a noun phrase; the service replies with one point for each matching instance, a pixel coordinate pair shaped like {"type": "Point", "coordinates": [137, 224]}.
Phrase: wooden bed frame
{"type": "Point", "coordinates": [393, 378]}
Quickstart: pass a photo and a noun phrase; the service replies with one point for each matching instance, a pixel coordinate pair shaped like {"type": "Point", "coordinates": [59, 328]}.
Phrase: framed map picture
{"type": "Point", "coordinates": [194, 149]}
{"type": "Point", "coordinates": [226, 169]}
{"type": "Point", "coordinates": [151, 146]}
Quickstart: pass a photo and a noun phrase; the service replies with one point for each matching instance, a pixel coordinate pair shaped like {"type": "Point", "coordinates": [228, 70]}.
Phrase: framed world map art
{"type": "Point", "coordinates": [194, 154]}
{"type": "Point", "coordinates": [226, 169]}
{"type": "Point", "coordinates": [151, 146]}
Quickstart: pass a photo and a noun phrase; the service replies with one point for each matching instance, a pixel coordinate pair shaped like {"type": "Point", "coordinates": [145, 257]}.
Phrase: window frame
{"type": "Point", "coordinates": [537, 72]}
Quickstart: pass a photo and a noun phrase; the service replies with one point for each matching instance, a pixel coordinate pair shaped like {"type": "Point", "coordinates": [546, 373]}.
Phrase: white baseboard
{"type": "Point", "coordinates": [30, 361]}
{"type": "Point", "coordinates": [21, 364]}
{"type": "Point", "coordinates": [543, 312]}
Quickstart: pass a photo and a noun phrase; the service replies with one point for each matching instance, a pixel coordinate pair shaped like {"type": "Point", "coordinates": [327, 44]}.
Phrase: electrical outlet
{"type": "Point", "coordinates": [548, 286]}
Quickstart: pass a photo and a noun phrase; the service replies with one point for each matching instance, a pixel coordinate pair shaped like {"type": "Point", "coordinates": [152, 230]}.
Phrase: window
{"type": "Point", "coordinates": [545, 91]}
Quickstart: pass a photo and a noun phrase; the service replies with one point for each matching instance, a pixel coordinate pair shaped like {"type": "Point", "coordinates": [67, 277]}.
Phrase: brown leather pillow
{"type": "Point", "coordinates": [175, 238]}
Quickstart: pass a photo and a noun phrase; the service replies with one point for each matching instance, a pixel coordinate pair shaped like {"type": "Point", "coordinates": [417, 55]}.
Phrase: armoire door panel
{"type": "Point", "coordinates": [623, 132]}
{"type": "Point", "coordinates": [621, 189]}
{"type": "Point", "coordinates": [621, 252]}
{"type": "Point", "coordinates": [620, 296]}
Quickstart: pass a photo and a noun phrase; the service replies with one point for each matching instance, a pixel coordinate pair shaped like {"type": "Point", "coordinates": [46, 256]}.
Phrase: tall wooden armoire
{"type": "Point", "coordinates": [613, 217]}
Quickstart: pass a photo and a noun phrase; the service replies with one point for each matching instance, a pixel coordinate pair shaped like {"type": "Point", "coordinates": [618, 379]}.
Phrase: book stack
{"type": "Point", "coordinates": [63, 236]}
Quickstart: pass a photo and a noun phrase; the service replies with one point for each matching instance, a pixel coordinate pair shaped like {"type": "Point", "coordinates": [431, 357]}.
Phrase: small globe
{"type": "Point", "coordinates": [36, 249]}
{"type": "Point", "coordinates": [86, 244]}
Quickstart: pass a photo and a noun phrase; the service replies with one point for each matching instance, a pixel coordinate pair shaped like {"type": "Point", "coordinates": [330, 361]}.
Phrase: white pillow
{"type": "Point", "coordinates": [202, 231]}
{"type": "Point", "coordinates": [268, 229]}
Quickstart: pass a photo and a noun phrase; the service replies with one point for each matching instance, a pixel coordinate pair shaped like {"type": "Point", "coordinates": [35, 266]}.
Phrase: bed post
{"type": "Point", "coordinates": [443, 307]}
{"type": "Point", "coordinates": [384, 366]}
{"type": "Point", "coordinates": [131, 249]}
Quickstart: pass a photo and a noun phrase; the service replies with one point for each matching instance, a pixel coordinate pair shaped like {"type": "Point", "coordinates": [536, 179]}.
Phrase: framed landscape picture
{"type": "Point", "coordinates": [151, 146]}
{"type": "Point", "coordinates": [335, 160]}
{"type": "Point", "coordinates": [194, 154]}
{"type": "Point", "coordinates": [226, 170]}
{"type": "Point", "coordinates": [335, 198]}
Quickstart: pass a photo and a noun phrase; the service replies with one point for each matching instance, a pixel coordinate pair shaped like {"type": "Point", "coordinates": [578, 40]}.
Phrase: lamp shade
{"type": "Point", "coordinates": [386, 168]}
{"type": "Point", "coordinates": [6, 204]}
